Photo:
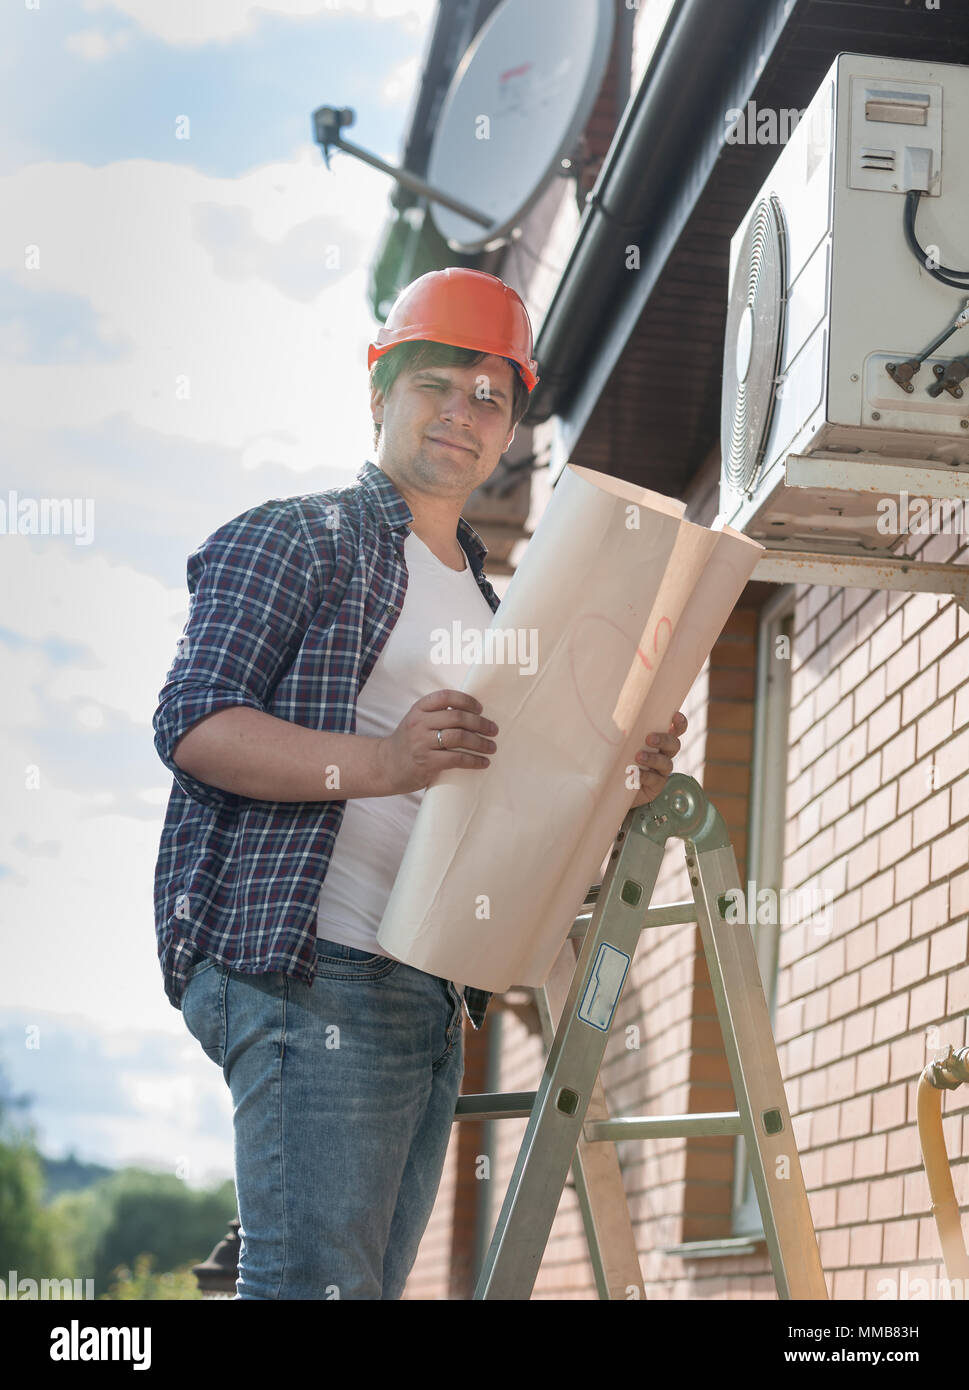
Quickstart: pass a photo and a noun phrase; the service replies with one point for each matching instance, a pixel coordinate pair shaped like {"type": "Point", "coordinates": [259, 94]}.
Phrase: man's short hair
{"type": "Point", "coordinates": [416, 355]}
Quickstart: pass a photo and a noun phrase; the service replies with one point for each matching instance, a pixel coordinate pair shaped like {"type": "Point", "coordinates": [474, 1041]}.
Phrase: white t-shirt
{"type": "Point", "coordinates": [374, 831]}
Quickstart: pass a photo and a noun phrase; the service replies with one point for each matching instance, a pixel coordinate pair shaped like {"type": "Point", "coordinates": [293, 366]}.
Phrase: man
{"type": "Point", "coordinates": [302, 719]}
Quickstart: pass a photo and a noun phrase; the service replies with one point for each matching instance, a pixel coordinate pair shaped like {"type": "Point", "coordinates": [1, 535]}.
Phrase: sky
{"type": "Point", "coordinates": [183, 334]}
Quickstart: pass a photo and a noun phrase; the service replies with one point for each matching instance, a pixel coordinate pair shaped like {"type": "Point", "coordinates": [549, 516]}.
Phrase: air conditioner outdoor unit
{"type": "Point", "coordinates": [829, 368]}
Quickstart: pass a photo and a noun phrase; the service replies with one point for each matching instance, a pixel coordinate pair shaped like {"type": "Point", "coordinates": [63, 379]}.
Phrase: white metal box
{"type": "Point", "coordinates": [825, 291]}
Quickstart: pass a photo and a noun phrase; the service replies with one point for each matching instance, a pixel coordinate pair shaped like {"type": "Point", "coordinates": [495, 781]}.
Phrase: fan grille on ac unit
{"type": "Point", "coordinates": [754, 343]}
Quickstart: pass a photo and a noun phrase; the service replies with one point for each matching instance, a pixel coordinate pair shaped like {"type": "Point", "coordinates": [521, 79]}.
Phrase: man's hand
{"type": "Point", "coordinates": [412, 755]}
{"type": "Point", "coordinates": [655, 760]}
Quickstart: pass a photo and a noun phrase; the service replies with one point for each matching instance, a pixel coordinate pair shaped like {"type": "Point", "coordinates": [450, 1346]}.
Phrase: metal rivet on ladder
{"type": "Point", "coordinates": [567, 1101]}
{"type": "Point", "coordinates": [632, 892]}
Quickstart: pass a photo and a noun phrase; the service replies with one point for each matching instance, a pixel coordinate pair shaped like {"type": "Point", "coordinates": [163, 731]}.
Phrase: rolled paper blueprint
{"type": "Point", "coordinates": [605, 625]}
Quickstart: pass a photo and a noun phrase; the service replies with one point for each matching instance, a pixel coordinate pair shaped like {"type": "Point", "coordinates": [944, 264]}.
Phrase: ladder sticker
{"type": "Point", "coordinates": [600, 999]}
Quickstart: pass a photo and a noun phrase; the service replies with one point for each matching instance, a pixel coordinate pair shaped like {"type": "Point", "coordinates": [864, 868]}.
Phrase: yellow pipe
{"type": "Point", "coordinates": [945, 1208]}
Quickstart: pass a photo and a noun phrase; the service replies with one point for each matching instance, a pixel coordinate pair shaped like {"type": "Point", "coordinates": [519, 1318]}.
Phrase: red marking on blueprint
{"type": "Point", "coordinates": [601, 618]}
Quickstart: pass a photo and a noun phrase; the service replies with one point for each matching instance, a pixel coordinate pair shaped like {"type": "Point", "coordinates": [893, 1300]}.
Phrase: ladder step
{"type": "Point", "coordinates": [666, 915]}
{"type": "Point", "coordinates": [514, 1105]}
{"type": "Point", "coordinates": [663, 1126]}
{"type": "Point", "coordinates": [518, 1105]}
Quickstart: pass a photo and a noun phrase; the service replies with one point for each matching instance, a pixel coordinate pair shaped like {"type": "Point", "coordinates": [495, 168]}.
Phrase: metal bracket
{"type": "Point", "coordinates": [857, 473]}
{"type": "Point", "coordinates": [328, 121]}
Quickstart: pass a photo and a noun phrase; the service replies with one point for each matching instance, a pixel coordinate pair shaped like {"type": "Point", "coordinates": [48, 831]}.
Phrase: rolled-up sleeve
{"type": "Point", "coordinates": [251, 600]}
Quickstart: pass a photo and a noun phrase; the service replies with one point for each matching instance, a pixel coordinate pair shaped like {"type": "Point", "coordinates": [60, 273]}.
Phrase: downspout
{"type": "Point", "coordinates": [661, 154]}
{"type": "Point", "coordinates": [949, 1070]}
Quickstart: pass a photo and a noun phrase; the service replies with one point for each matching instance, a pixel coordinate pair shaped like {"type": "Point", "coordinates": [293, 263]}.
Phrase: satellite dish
{"type": "Point", "coordinates": [515, 108]}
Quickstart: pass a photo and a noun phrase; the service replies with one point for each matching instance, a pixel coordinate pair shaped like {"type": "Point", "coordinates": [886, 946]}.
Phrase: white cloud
{"type": "Point", "coordinates": [94, 46]}
{"type": "Point", "coordinates": [126, 621]}
{"type": "Point", "coordinates": [193, 272]}
{"type": "Point", "coordinates": [398, 87]}
{"type": "Point", "coordinates": [189, 22]}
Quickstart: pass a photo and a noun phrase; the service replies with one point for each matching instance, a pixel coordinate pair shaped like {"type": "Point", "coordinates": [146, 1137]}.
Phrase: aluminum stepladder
{"type": "Point", "coordinates": [568, 1120]}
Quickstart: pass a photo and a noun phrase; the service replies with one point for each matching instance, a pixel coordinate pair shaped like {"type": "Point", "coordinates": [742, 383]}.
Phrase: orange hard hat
{"type": "Point", "coordinates": [466, 308]}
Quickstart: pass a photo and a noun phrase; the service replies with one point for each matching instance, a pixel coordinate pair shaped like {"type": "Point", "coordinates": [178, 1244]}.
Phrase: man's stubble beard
{"type": "Point", "coordinates": [437, 478]}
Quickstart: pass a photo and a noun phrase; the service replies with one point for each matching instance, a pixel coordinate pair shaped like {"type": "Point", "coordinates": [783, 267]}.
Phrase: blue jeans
{"type": "Point", "coordinates": [343, 1100]}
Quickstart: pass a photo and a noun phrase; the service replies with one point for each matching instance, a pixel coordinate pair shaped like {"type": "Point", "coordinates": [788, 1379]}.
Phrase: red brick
{"type": "Point", "coordinates": [838, 722]}
{"type": "Point", "coordinates": [831, 616]}
{"type": "Point", "coordinates": [918, 610]}
{"type": "Point", "coordinates": [838, 1163]}
{"type": "Point", "coordinates": [844, 994]}
{"type": "Point", "coordinates": [948, 854]}
{"type": "Point", "coordinates": [899, 751]}
{"type": "Point", "coordinates": [917, 1200]}
{"type": "Point", "coordinates": [886, 640]}
{"type": "Point", "coordinates": [831, 961]}
{"type": "Point", "coordinates": [869, 696]}
{"type": "Point", "coordinates": [824, 1125]}
{"type": "Point", "coordinates": [930, 910]}
{"type": "Point", "coordinates": [833, 1249]}
{"type": "Point", "coordinates": [852, 748]}
{"type": "Point", "coordinates": [952, 759]}
{"type": "Point", "coordinates": [959, 894]}
{"type": "Point", "coordinates": [859, 1030]}
{"type": "Point", "coordinates": [854, 1118]}
{"type": "Point", "coordinates": [931, 818]}
{"type": "Point", "coordinates": [910, 965]}
{"type": "Point", "coordinates": [938, 635]}
{"type": "Point", "coordinates": [885, 1198]}
{"type": "Point", "coordinates": [902, 666]}
{"type": "Point", "coordinates": [919, 694]}
{"type": "Point", "coordinates": [798, 1054]}
{"type": "Point", "coordinates": [893, 928]}
{"type": "Point", "coordinates": [865, 779]}
{"type": "Point", "coordinates": [895, 842]}
{"type": "Point", "coordinates": [912, 873]}
{"type": "Point", "coordinates": [860, 946]}
{"type": "Point", "coordinates": [835, 803]}
{"type": "Point", "coordinates": [935, 726]}
{"type": "Point", "coordinates": [953, 668]}
{"type": "Point", "coordinates": [891, 1018]}
{"type": "Point", "coordinates": [907, 1058]}
{"type": "Point", "coordinates": [876, 981]}
{"type": "Point", "coordinates": [880, 808]}
{"type": "Point", "coordinates": [962, 705]}
{"type": "Point", "coordinates": [817, 1008]}
{"type": "Point", "coordinates": [841, 1079]}
{"type": "Point", "coordinates": [866, 1244]}
{"type": "Point", "coordinates": [878, 894]}
{"type": "Point", "coordinates": [827, 1046]}
{"type": "Point", "coordinates": [852, 1203]}
{"type": "Point", "coordinates": [903, 1149]}
{"type": "Point", "coordinates": [888, 1109]}
{"type": "Point", "coordinates": [957, 999]}
{"type": "Point", "coordinates": [848, 1285]}
{"type": "Point", "coordinates": [948, 947]}
{"type": "Point", "coordinates": [872, 606]}
{"type": "Point", "coordinates": [927, 1003]}
{"type": "Point", "coordinates": [854, 668]}
{"type": "Point", "coordinates": [900, 1241]}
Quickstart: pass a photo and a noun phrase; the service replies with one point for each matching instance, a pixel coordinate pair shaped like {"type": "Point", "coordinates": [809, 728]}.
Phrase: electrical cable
{"type": "Point", "coordinates": [941, 272]}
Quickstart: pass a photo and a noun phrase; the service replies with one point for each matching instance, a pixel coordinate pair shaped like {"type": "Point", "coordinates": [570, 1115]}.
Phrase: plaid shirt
{"type": "Point", "coordinates": [290, 605]}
